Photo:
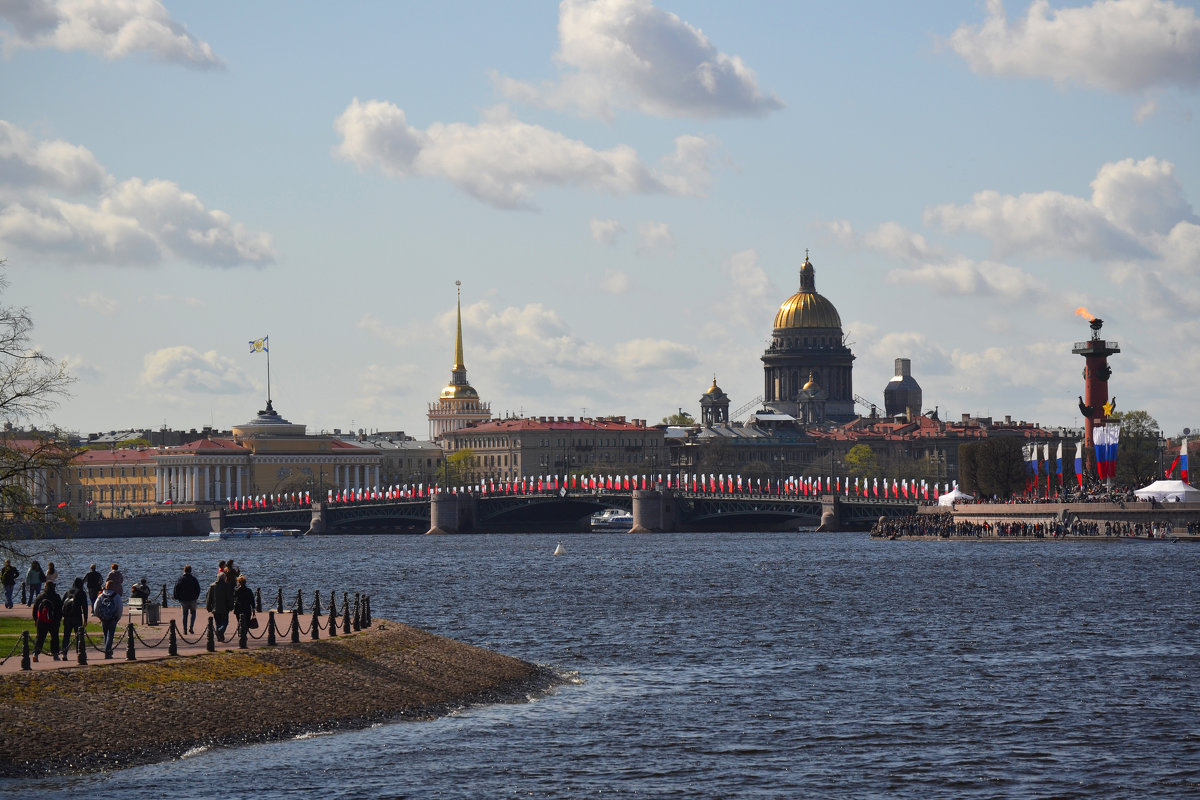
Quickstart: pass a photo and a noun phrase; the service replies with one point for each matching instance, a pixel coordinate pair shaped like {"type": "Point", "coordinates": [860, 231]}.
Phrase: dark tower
{"type": "Point", "coordinates": [714, 406]}
{"type": "Point", "coordinates": [902, 395]}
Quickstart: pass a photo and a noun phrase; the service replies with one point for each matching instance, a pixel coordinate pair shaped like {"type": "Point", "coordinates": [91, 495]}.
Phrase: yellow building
{"type": "Point", "coordinates": [112, 483]}
{"type": "Point", "coordinates": [459, 405]}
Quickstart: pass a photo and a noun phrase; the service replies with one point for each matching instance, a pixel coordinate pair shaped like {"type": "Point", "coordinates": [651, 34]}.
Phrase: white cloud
{"type": "Point", "coordinates": [890, 239]}
{"type": "Point", "coordinates": [1118, 45]}
{"type": "Point", "coordinates": [185, 370]}
{"type": "Point", "coordinates": [110, 28]}
{"type": "Point", "coordinates": [962, 277]}
{"type": "Point", "coordinates": [501, 160]}
{"type": "Point", "coordinates": [606, 231]}
{"type": "Point", "coordinates": [750, 297]}
{"type": "Point", "coordinates": [99, 303]}
{"type": "Point", "coordinates": [133, 221]}
{"type": "Point", "coordinates": [1141, 196]}
{"type": "Point", "coordinates": [654, 236]}
{"type": "Point", "coordinates": [615, 281]}
{"type": "Point", "coordinates": [629, 54]}
{"type": "Point", "coordinates": [1146, 110]}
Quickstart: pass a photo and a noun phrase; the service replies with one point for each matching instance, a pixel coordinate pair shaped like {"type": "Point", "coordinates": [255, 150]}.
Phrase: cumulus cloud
{"type": "Point", "coordinates": [1117, 45]}
{"type": "Point", "coordinates": [113, 29]}
{"type": "Point", "coordinates": [615, 281]}
{"type": "Point", "coordinates": [185, 370]}
{"type": "Point", "coordinates": [98, 302]}
{"type": "Point", "coordinates": [962, 277]}
{"type": "Point", "coordinates": [606, 231]}
{"type": "Point", "coordinates": [890, 239]}
{"type": "Point", "coordinates": [134, 222]}
{"type": "Point", "coordinates": [749, 297]}
{"type": "Point", "coordinates": [654, 236]}
{"type": "Point", "coordinates": [629, 54]}
{"type": "Point", "coordinates": [501, 160]}
{"type": "Point", "coordinates": [1134, 204]}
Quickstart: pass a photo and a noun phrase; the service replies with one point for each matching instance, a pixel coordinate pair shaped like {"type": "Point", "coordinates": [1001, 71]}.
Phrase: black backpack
{"type": "Point", "coordinates": [70, 607]}
{"type": "Point", "coordinates": [106, 609]}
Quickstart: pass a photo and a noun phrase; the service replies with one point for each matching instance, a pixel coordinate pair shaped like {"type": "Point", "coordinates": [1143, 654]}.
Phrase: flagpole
{"type": "Point", "coordinates": [268, 376]}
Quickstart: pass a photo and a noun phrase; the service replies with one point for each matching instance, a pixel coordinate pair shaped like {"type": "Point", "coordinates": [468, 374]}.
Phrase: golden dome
{"type": "Point", "coordinates": [812, 383]}
{"type": "Point", "coordinates": [714, 389]}
{"type": "Point", "coordinates": [806, 308]}
{"type": "Point", "coordinates": [460, 392]}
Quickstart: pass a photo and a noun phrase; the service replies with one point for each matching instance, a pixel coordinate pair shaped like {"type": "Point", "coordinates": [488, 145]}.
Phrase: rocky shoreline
{"type": "Point", "coordinates": [115, 715]}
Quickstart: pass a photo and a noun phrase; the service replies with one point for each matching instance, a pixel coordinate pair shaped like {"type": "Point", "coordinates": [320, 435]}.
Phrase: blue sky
{"type": "Point", "coordinates": [625, 189]}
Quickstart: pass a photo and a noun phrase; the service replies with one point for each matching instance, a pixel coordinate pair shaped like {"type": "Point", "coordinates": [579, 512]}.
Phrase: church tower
{"type": "Point", "coordinates": [714, 406]}
{"type": "Point", "coordinates": [807, 347]}
{"type": "Point", "coordinates": [459, 405]}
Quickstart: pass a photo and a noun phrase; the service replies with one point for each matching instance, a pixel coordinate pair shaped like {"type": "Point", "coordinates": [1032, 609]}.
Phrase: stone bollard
{"type": "Point", "coordinates": [300, 600]}
{"type": "Point", "coordinates": [243, 631]}
{"type": "Point", "coordinates": [258, 600]}
{"type": "Point", "coordinates": [164, 594]}
{"type": "Point", "coordinates": [81, 646]}
{"type": "Point", "coordinates": [130, 635]}
{"type": "Point", "coordinates": [25, 662]}
{"type": "Point", "coordinates": [333, 622]}
{"type": "Point", "coordinates": [279, 601]}
{"type": "Point", "coordinates": [210, 633]}
{"type": "Point", "coordinates": [172, 643]}
{"type": "Point", "coordinates": [295, 626]}
{"type": "Point", "coordinates": [357, 611]}
{"type": "Point", "coordinates": [271, 626]}
{"type": "Point", "coordinates": [333, 601]}
{"type": "Point", "coordinates": [346, 612]}
{"type": "Point", "coordinates": [316, 601]}
{"type": "Point", "coordinates": [315, 631]}
{"type": "Point", "coordinates": [366, 610]}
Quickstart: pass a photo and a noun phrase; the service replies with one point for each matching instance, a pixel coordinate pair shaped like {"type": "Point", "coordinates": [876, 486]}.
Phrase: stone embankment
{"type": "Point", "coordinates": [115, 714]}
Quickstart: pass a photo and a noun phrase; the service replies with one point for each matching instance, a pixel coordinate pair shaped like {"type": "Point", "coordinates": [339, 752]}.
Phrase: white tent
{"type": "Point", "coordinates": [954, 496]}
{"type": "Point", "coordinates": [1169, 492]}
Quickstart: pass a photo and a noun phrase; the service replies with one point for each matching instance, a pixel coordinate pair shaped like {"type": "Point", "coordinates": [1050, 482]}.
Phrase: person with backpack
{"type": "Point", "coordinates": [108, 611]}
{"type": "Point", "coordinates": [34, 579]}
{"type": "Point", "coordinates": [219, 602]}
{"type": "Point", "coordinates": [95, 582]}
{"type": "Point", "coordinates": [187, 592]}
{"type": "Point", "coordinates": [8, 577]}
{"type": "Point", "coordinates": [243, 605]}
{"type": "Point", "coordinates": [73, 605]}
{"type": "Point", "coordinates": [47, 610]}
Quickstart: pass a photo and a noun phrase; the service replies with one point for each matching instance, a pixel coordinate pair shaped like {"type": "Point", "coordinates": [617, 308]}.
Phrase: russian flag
{"type": "Point", "coordinates": [1079, 463]}
{"type": "Point", "coordinates": [1183, 460]}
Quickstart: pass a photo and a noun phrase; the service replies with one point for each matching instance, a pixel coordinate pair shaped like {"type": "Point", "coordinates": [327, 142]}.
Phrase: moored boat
{"type": "Point", "coordinates": [612, 519]}
{"type": "Point", "coordinates": [253, 533]}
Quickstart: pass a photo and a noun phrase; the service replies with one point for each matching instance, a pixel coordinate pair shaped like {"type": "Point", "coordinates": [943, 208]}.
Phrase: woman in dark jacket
{"type": "Point", "coordinates": [51, 603]}
{"type": "Point", "coordinates": [75, 600]}
{"type": "Point", "coordinates": [34, 578]}
{"type": "Point", "coordinates": [243, 604]}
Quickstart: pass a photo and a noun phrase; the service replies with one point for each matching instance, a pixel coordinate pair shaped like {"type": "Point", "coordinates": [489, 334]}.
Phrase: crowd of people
{"type": "Point", "coordinates": [944, 526]}
{"type": "Point", "coordinates": [59, 617]}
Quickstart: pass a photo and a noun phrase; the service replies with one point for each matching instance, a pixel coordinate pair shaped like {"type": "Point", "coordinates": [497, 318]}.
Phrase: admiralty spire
{"type": "Point", "coordinates": [459, 405]}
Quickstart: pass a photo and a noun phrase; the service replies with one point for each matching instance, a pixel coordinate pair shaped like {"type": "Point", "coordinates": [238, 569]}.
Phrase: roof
{"type": "Point", "coordinates": [518, 424]}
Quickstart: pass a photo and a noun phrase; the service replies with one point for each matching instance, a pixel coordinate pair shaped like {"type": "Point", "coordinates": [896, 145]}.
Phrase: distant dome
{"type": "Point", "coordinates": [811, 385]}
{"type": "Point", "coordinates": [806, 308]}
{"type": "Point", "coordinates": [714, 390]}
{"type": "Point", "coordinates": [460, 392]}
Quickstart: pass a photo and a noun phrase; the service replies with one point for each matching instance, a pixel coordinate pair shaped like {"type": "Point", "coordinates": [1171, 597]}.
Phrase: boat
{"type": "Point", "coordinates": [253, 533]}
{"type": "Point", "coordinates": [612, 519]}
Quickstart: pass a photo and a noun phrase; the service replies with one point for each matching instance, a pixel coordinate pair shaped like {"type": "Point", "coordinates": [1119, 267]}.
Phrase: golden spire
{"type": "Point", "coordinates": [458, 350]}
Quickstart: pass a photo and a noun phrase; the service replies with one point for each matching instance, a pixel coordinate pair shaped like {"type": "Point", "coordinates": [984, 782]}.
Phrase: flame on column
{"type": "Point", "coordinates": [1083, 312]}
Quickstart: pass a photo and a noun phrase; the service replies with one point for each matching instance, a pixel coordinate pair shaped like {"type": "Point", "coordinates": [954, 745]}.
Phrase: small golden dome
{"type": "Point", "coordinates": [806, 308]}
{"type": "Point", "coordinates": [463, 392]}
{"type": "Point", "coordinates": [714, 389]}
{"type": "Point", "coordinates": [812, 383]}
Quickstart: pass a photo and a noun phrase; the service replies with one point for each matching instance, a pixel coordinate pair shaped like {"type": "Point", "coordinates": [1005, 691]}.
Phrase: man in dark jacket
{"type": "Point", "coordinates": [47, 610]}
{"type": "Point", "coordinates": [187, 592]}
{"type": "Point", "coordinates": [95, 583]}
{"type": "Point", "coordinates": [219, 603]}
{"type": "Point", "coordinates": [73, 604]}
{"type": "Point", "coordinates": [243, 605]}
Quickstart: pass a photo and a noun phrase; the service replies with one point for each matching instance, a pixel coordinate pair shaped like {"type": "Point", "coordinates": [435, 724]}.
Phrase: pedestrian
{"type": "Point", "coordinates": [34, 579]}
{"type": "Point", "coordinates": [51, 573]}
{"type": "Point", "coordinates": [95, 582]}
{"type": "Point", "coordinates": [73, 604]}
{"type": "Point", "coordinates": [140, 590]}
{"type": "Point", "coordinates": [243, 604]}
{"type": "Point", "coordinates": [8, 577]}
{"type": "Point", "coordinates": [108, 610]}
{"type": "Point", "coordinates": [187, 592]}
{"type": "Point", "coordinates": [116, 579]}
{"type": "Point", "coordinates": [232, 571]}
{"type": "Point", "coordinates": [219, 602]}
{"type": "Point", "coordinates": [47, 610]}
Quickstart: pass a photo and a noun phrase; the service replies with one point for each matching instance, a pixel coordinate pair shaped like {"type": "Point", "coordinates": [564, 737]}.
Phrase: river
{"type": "Point", "coordinates": [737, 665]}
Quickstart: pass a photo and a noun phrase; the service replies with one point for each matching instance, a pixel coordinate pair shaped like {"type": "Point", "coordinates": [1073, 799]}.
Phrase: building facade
{"type": "Point", "coordinates": [459, 405]}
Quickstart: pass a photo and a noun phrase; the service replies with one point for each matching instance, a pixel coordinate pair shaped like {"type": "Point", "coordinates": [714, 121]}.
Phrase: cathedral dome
{"type": "Point", "coordinates": [459, 392]}
{"type": "Point", "coordinates": [806, 308]}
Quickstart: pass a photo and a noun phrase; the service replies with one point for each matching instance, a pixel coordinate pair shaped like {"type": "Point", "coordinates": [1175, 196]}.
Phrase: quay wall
{"type": "Point", "coordinates": [1178, 514]}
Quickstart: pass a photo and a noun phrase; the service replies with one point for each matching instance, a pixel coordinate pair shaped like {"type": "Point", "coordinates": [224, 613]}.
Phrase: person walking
{"type": "Point", "coordinates": [47, 610]}
{"type": "Point", "coordinates": [219, 602]}
{"type": "Point", "coordinates": [34, 579]}
{"type": "Point", "coordinates": [243, 605]}
{"type": "Point", "coordinates": [73, 604]}
{"type": "Point", "coordinates": [95, 582]}
{"type": "Point", "coordinates": [51, 573]}
{"type": "Point", "coordinates": [116, 579]}
{"type": "Point", "coordinates": [187, 592]}
{"type": "Point", "coordinates": [8, 577]}
{"type": "Point", "coordinates": [108, 610]}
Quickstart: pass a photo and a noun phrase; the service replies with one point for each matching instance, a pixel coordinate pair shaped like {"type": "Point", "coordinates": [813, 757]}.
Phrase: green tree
{"type": "Point", "coordinates": [863, 462]}
{"type": "Point", "coordinates": [681, 418]}
{"type": "Point", "coordinates": [1138, 449]}
{"type": "Point", "coordinates": [457, 467]}
{"type": "Point", "coordinates": [996, 467]}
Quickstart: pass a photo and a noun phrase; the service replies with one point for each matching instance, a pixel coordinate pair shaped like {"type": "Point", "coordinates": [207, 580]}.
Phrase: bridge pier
{"type": "Point", "coordinates": [216, 520]}
{"type": "Point", "coordinates": [317, 526]}
{"type": "Point", "coordinates": [653, 511]}
{"type": "Point", "coordinates": [451, 513]}
{"type": "Point", "coordinates": [831, 513]}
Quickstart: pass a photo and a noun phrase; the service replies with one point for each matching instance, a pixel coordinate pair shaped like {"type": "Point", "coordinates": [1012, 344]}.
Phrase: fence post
{"type": "Point", "coordinates": [130, 634]}
{"type": "Point", "coordinates": [316, 626]}
{"type": "Point", "coordinates": [300, 600]}
{"type": "Point", "coordinates": [172, 644]}
{"type": "Point", "coordinates": [24, 597]}
{"type": "Point", "coordinates": [25, 663]}
{"type": "Point", "coordinates": [295, 626]}
{"type": "Point", "coordinates": [279, 601]}
{"type": "Point", "coordinates": [332, 601]}
{"type": "Point", "coordinates": [209, 631]}
{"type": "Point", "coordinates": [367, 609]}
{"type": "Point", "coordinates": [164, 602]}
{"type": "Point", "coordinates": [258, 599]}
{"type": "Point", "coordinates": [357, 611]}
{"type": "Point", "coordinates": [333, 621]}
{"type": "Point", "coordinates": [243, 630]}
{"type": "Point", "coordinates": [316, 601]}
{"type": "Point", "coordinates": [346, 612]}
{"type": "Point", "coordinates": [271, 626]}
{"type": "Point", "coordinates": [81, 645]}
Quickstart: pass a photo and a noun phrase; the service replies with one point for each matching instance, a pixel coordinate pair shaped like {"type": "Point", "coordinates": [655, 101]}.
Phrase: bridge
{"type": "Point", "coordinates": [570, 510]}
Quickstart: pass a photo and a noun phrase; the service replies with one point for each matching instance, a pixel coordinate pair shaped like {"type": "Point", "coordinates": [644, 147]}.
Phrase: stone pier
{"type": "Point", "coordinates": [451, 513]}
{"type": "Point", "coordinates": [653, 511]}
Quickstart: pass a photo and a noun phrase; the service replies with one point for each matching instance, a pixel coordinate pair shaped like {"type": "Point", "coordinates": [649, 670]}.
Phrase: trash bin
{"type": "Point", "coordinates": [152, 610]}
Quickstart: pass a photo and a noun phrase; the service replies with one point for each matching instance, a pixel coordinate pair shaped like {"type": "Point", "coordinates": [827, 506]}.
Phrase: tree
{"type": "Point", "coordinates": [457, 467]}
{"type": "Point", "coordinates": [863, 462]}
{"type": "Point", "coordinates": [994, 467]}
{"type": "Point", "coordinates": [1138, 449]}
{"type": "Point", "coordinates": [681, 418]}
{"type": "Point", "coordinates": [31, 463]}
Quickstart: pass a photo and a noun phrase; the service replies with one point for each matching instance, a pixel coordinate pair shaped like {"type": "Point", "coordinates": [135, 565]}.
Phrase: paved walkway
{"type": "Point", "coordinates": [152, 641]}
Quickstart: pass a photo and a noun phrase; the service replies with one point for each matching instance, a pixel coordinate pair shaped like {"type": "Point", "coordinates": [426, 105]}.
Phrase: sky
{"type": "Point", "coordinates": [626, 191]}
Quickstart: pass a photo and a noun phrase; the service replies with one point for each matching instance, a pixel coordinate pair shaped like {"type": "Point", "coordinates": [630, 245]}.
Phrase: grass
{"type": "Point", "coordinates": [11, 628]}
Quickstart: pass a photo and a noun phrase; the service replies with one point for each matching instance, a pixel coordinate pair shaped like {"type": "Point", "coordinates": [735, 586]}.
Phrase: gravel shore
{"type": "Point", "coordinates": [118, 714]}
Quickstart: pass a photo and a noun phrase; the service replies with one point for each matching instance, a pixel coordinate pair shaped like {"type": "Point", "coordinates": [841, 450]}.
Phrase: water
{"type": "Point", "coordinates": [741, 665]}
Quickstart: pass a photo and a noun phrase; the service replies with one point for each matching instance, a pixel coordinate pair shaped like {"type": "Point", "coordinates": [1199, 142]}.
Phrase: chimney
{"type": "Point", "coordinates": [966, 417]}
